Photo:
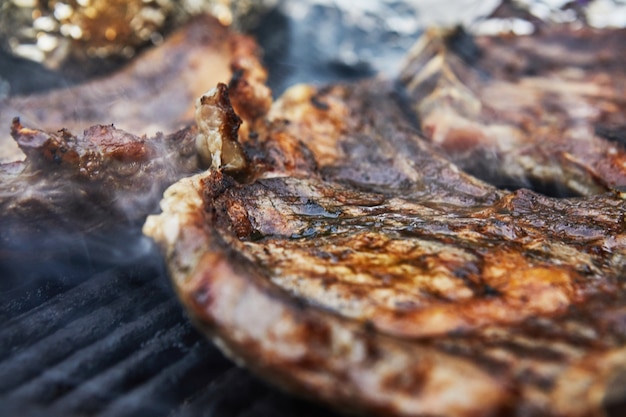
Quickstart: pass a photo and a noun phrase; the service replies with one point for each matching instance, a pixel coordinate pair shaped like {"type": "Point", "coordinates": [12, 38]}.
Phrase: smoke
{"type": "Point", "coordinates": [76, 205]}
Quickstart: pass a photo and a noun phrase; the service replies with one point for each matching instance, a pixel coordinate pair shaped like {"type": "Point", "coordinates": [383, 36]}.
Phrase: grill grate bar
{"type": "Point", "coordinates": [279, 404]}
{"type": "Point", "coordinates": [86, 363]}
{"type": "Point", "coordinates": [223, 396]}
{"type": "Point", "coordinates": [29, 362]}
{"type": "Point", "coordinates": [173, 384]}
{"type": "Point", "coordinates": [94, 395]}
{"type": "Point", "coordinates": [57, 312]}
{"type": "Point", "coordinates": [20, 300]}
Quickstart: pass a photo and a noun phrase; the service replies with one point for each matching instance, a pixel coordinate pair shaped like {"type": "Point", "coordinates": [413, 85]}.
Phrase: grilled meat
{"type": "Point", "coordinates": [545, 110]}
{"type": "Point", "coordinates": [77, 201]}
{"type": "Point", "coordinates": [155, 93]}
{"type": "Point", "coordinates": [353, 264]}
{"type": "Point", "coordinates": [103, 177]}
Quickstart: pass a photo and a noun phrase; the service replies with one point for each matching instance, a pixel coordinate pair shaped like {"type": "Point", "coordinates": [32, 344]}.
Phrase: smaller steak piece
{"type": "Point", "coordinates": [545, 110]}
{"type": "Point", "coordinates": [354, 265]}
{"type": "Point", "coordinates": [105, 177]}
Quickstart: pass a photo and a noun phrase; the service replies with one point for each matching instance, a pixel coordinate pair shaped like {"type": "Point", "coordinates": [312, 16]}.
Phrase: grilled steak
{"type": "Point", "coordinates": [545, 110]}
{"type": "Point", "coordinates": [153, 94]}
{"type": "Point", "coordinates": [101, 178]}
{"type": "Point", "coordinates": [351, 263]}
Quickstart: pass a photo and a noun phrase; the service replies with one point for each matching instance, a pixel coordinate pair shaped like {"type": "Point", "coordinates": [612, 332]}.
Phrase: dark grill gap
{"type": "Point", "coordinates": [118, 344]}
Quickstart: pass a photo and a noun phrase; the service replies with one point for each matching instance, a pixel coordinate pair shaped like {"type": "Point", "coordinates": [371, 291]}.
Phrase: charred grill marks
{"type": "Point", "coordinates": [367, 225]}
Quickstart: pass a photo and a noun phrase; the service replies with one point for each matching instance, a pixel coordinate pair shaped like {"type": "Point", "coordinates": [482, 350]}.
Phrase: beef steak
{"type": "Point", "coordinates": [351, 263]}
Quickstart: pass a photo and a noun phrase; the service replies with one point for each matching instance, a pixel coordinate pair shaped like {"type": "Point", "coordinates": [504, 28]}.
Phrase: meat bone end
{"type": "Point", "coordinates": [218, 125]}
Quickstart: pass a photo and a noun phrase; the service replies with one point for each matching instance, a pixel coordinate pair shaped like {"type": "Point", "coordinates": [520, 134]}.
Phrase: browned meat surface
{"type": "Point", "coordinates": [526, 111]}
{"type": "Point", "coordinates": [155, 93]}
{"type": "Point", "coordinates": [105, 177]}
{"type": "Point", "coordinates": [354, 265]}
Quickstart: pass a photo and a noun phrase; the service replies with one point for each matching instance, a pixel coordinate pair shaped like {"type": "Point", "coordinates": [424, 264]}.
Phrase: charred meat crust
{"type": "Point", "coordinates": [303, 348]}
{"type": "Point", "coordinates": [368, 272]}
{"type": "Point", "coordinates": [218, 124]}
{"type": "Point", "coordinates": [105, 176]}
{"type": "Point", "coordinates": [96, 180]}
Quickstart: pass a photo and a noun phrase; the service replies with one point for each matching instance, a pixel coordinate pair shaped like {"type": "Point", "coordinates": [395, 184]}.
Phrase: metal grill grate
{"type": "Point", "coordinates": [118, 344]}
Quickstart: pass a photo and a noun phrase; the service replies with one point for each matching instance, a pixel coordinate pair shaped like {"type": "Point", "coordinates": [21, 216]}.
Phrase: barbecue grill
{"type": "Point", "coordinates": [115, 342]}
{"type": "Point", "coordinates": [92, 328]}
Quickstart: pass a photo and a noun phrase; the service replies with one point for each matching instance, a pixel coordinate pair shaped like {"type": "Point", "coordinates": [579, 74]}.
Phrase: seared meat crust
{"type": "Point", "coordinates": [357, 266]}
{"type": "Point", "coordinates": [96, 180]}
{"type": "Point", "coordinates": [545, 110]}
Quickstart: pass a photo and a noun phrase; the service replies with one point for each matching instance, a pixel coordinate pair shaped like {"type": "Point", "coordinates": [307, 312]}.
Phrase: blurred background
{"type": "Point", "coordinates": [47, 44]}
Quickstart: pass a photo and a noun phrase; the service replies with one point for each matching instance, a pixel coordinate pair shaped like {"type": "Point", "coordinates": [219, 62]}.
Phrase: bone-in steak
{"type": "Point", "coordinates": [351, 263]}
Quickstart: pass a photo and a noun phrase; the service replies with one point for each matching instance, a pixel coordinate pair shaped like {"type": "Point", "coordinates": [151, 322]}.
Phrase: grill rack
{"type": "Point", "coordinates": [116, 343]}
